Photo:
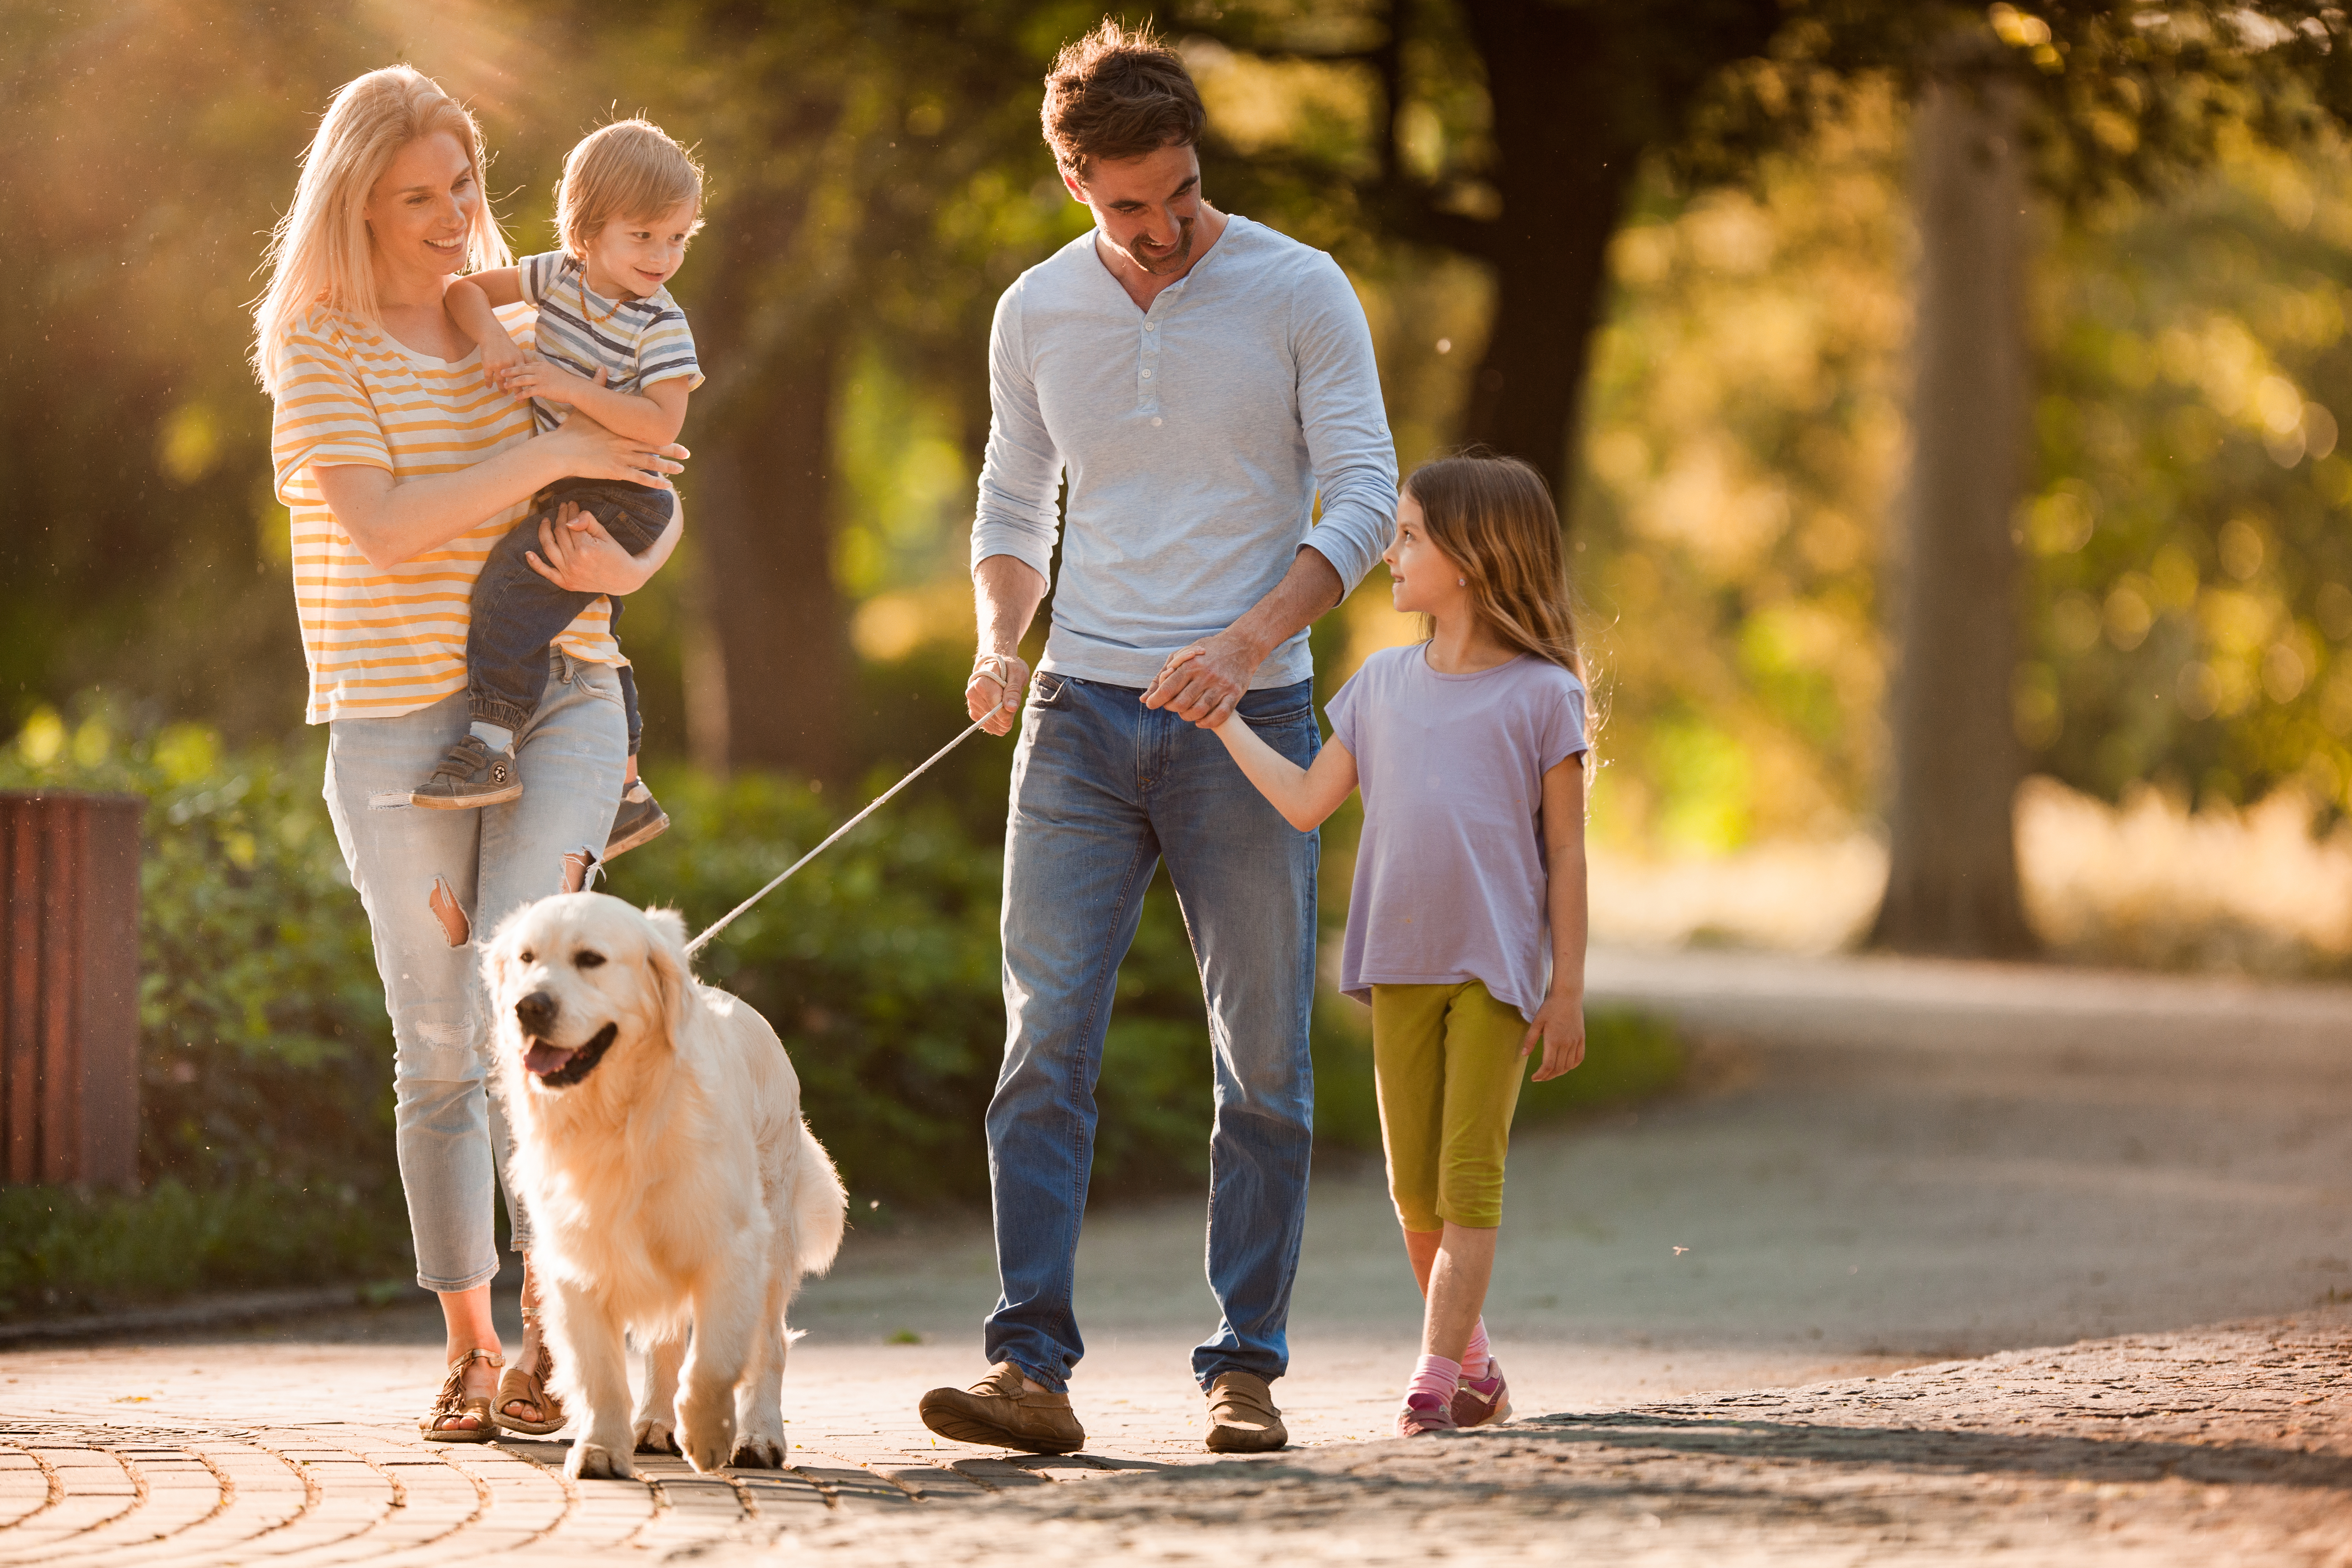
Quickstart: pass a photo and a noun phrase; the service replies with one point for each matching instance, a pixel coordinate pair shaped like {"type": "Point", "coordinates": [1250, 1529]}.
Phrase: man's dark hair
{"type": "Point", "coordinates": [1119, 92]}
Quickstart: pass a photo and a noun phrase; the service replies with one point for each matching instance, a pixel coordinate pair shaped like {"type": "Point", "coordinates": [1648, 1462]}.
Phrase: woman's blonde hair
{"type": "Point", "coordinates": [628, 169]}
{"type": "Point", "coordinates": [1493, 517]}
{"type": "Point", "coordinates": [320, 253]}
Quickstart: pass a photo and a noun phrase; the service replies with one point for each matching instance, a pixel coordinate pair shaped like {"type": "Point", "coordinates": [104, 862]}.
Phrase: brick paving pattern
{"type": "Point", "coordinates": [1899, 1165]}
{"type": "Point", "coordinates": [2228, 1444]}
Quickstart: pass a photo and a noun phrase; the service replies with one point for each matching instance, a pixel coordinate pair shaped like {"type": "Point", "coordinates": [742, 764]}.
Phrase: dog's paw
{"type": "Point", "coordinates": [654, 1436]}
{"type": "Point", "coordinates": [758, 1451]}
{"type": "Point", "coordinates": [595, 1462]}
{"type": "Point", "coordinates": [706, 1443]}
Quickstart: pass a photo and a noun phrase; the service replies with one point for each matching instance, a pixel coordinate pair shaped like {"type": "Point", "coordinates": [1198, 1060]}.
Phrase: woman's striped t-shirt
{"type": "Point", "coordinates": [381, 643]}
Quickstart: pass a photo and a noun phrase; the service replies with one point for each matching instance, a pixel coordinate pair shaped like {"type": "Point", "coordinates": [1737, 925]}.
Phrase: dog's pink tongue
{"type": "Point", "coordinates": [543, 1058]}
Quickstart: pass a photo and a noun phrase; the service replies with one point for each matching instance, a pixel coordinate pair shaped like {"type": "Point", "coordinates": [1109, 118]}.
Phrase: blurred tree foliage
{"type": "Point", "coordinates": [2190, 551]}
{"type": "Point", "coordinates": [266, 1056]}
{"type": "Point", "coordinates": [876, 179]}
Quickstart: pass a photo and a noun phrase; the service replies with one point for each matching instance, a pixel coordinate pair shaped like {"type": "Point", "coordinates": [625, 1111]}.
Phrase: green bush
{"type": "Point", "coordinates": [266, 1059]}
{"type": "Point", "coordinates": [264, 1048]}
{"type": "Point", "coordinates": [62, 1250]}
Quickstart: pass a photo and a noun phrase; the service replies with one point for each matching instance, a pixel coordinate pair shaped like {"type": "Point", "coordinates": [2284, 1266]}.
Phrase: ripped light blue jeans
{"type": "Point", "coordinates": [484, 865]}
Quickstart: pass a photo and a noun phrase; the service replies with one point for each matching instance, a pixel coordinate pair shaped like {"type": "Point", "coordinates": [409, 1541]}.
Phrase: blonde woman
{"type": "Point", "coordinates": [402, 468]}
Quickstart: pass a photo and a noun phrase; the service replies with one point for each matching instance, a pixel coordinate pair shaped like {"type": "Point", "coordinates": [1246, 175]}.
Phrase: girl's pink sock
{"type": "Point", "coordinates": [1435, 1376]}
{"type": "Point", "coordinates": [1473, 1359]}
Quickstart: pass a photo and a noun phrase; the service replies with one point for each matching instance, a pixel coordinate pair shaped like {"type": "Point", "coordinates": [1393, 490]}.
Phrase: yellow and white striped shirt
{"type": "Point", "coordinates": [384, 643]}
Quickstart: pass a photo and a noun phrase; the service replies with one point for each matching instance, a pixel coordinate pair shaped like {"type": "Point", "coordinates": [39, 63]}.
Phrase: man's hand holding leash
{"type": "Point", "coordinates": [993, 696]}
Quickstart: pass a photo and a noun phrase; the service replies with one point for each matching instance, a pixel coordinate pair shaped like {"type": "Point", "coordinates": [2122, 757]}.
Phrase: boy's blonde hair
{"type": "Point", "coordinates": [1493, 517]}
{"type": "Point", "coordinates": [320, 252]}
{"type": "Point", "coordinates": [628, 169]}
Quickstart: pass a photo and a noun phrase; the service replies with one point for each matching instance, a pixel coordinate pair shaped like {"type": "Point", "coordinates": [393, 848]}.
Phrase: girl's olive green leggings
{"type": "Point", "coordinates": [1447, 1061]}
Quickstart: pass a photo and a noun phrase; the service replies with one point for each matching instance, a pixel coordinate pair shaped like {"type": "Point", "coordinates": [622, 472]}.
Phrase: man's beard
{"type": "Point", "coordinates": [1168, 259]}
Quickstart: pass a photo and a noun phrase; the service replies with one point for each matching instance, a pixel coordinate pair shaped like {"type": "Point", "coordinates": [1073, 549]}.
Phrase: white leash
{"type": "Point", "coordinates": [698, 944]}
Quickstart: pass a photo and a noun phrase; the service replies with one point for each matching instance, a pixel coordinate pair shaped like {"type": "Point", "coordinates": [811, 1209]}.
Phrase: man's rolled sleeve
{"type": "Point", "coordinates": [1020, 475]}
{"type": "Point", "coordinates": [1345, 423]}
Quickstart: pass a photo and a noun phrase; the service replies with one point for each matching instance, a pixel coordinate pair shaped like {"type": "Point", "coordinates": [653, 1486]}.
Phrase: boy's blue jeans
{"type": "Point", "coordinates": [1103, 789]}
{"type": "Point", "coordinates": [517, 612]}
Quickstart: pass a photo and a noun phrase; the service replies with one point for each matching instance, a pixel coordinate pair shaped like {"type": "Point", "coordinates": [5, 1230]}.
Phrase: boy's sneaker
{"type": "Point", "coordinates": [472, 775]}
{"type": "Point", "coordinates": [1483, 1401]}
{"type": "Point", "coordinates": [639, 819]}
{"type": "Point", "coordinates": [1421, 1415]}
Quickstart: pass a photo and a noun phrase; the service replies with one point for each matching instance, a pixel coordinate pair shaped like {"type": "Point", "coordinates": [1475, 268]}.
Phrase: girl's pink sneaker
{"type": "Point", "coordinates": [1483, 1401]}
{"type": "Point", "coordinates": [1421, 1415]}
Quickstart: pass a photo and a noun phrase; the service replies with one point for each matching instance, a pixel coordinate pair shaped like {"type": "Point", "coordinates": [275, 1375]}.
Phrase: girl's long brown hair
{"type": "Point", "coordinates": [1493, 517]}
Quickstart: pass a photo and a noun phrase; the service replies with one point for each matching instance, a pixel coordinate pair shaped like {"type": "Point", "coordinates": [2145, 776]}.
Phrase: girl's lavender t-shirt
{"type": "Point", "coordinates": [1450, 876]}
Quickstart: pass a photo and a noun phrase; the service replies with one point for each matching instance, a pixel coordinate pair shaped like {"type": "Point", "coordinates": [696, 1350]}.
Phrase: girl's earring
{"type": "Point", "coordinates": [1462, 582]}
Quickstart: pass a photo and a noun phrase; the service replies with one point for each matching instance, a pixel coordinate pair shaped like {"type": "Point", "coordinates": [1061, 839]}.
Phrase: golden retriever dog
{"type": "Point", "coordinates": [671, 1181]}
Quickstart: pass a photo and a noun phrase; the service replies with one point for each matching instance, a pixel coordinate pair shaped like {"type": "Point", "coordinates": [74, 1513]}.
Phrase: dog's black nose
{"type": "Point", "coordinates": [536, 1013]}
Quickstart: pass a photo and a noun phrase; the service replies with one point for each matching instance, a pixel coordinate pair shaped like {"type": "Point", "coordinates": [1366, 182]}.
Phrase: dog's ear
{"type": "Point", "coordinates": [672, 971]}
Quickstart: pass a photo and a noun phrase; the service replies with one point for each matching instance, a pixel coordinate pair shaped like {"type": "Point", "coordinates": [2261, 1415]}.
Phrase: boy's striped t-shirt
{"type": "Point", "coordinates": [384, 642]}
{"type": "Point", "coordinates": [635, 342]}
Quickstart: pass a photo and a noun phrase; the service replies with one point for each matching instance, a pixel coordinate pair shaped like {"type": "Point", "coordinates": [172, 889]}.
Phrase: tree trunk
{"type": "Point", "coordinates": [1562, 169]}
{"type": "Point", "coordinates": [1951, 883]}
{"type": "Point", "coordinates": [760, 485]}
{"type": "Point", "coordinates": [763, 509]}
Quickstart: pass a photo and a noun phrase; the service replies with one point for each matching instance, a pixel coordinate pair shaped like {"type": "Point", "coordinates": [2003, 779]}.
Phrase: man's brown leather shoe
{"type": "Point", "coordinates": [1242, 1416]}
{"type": "Point", "coordinates": [998, 1411]}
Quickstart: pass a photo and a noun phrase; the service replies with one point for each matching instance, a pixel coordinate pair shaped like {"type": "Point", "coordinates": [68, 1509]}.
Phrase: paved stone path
{"type": "Point", "coordinates": [2230, 1444]}
{"type": "Point", "coordinates": [1880, 1166]}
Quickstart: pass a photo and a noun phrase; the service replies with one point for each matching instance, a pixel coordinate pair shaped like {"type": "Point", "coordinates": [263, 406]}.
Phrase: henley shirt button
{"type": "Point", "coordinates": [1155, 421]}
{"type": "Point", "coordinates": [1147, 376]}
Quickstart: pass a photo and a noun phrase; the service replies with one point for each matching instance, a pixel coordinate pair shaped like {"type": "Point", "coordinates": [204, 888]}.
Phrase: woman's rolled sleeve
{"type": "Point", "coordinates": [324, 417]}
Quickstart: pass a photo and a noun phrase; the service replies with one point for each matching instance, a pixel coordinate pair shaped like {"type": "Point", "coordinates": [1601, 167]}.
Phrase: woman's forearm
{"type": "Point", "coordinates": [658, 553]}
{"type": "Point", "coordinates": [392, 521]}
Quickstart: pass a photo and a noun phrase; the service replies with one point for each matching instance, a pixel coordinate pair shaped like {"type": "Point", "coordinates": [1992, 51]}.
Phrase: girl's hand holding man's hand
{"type": "Point", "coordinates": [1560, 1025]}
{"type": "Point", "coordinates": [1204, 681]}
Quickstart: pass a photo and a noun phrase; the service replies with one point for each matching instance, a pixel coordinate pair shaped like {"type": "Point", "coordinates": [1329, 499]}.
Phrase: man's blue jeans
{"type": "Point", "coordinates": [1103, 789]}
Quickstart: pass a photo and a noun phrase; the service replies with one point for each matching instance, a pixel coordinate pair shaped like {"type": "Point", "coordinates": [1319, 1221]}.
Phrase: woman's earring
{"type": "Point", "coordinates": [1462, 582]}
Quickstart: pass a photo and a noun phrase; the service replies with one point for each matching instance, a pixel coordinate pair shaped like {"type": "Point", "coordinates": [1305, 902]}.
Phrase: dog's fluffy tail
{"type": "Point", "coordinates": [819, 1207]}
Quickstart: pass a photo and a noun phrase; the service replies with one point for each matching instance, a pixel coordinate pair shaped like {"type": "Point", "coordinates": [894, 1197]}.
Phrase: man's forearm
{"type": "Point", "coordinates": [1310, 587]}
{"type": "Point", "coordinates": [1005, 592]}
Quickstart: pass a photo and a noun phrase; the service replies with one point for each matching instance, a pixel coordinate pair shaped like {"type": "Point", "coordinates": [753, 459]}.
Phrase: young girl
{"type": "Point", "coordinates": [1465, 927]}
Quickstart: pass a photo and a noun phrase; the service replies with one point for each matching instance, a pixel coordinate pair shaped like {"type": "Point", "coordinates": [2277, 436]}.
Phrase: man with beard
{"type": "Point", "coordinates": [1203, 382]}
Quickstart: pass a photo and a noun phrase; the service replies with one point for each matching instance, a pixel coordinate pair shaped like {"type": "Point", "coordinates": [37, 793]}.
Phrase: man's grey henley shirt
{"type": "Point", "coordinates": [1196, 434]}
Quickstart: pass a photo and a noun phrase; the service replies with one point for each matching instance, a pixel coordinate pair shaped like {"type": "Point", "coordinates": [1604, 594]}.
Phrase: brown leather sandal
{"type": "Point", "coordinates": [520, 1388]}
{"type": "Point", "coordinates": [453, 1402]}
